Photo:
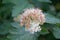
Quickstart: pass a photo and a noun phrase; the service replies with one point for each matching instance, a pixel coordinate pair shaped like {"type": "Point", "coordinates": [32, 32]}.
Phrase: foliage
{"type": "Point", "coordinates": [10, 30]}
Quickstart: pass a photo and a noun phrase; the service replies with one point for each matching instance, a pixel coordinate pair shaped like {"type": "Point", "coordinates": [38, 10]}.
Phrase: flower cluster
{"type": "Point", "coordinates": [32, 18]}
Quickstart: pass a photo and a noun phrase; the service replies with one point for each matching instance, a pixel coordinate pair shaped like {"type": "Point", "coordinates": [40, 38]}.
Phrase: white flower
{"type": "Point", "coordinates": [34, 27]}
{"type": "Point", "coordinates": [32, 18]}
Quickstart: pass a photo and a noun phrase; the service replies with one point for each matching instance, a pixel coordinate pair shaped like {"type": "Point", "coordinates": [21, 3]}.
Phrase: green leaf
{"type": "Point", "coordinates": [44, 31]}
{"type": "Point", "coordinates": [20, 34]}
{"type": "Point", "coordinates": [51, 19]}
{"type": "Point", "coordinates": [52, 10]}
{"type": "Point", "coordinates": [25, 36]}
{"type": "Point", "coordinates": [42, 5]}
{"type": "Point", "coordinates": [56, 32]}
{"type": "Point", "coordinates": [20, 5]}
{"type": "Point", "coordinates": [5, 11]}
{"type": "Point", "coordinates": [53, 28]}
{"type": "Point", "coordinates": [58, 24]}
{"type": "Point", "coordinates": [6, 6]}
{"type": "Point", "coordinates": [58, 15]}
{"type": "Point", "coordinates": [3, 38]}
{"type": "Point", "coordinates": [48, 1]}
{"type": "Point", "coordinates": [5, 27]}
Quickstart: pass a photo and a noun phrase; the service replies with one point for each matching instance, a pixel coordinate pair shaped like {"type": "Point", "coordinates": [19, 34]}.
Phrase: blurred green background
{"type": "Point", "coordinates": [10, 30]}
